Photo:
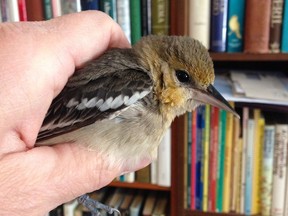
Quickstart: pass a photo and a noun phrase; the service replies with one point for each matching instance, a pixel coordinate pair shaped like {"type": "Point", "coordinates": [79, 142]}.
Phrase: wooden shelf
{"type": "Point", "coordinates": [139, 185]}
{"type": "Point", "coordinates": [200, 213]}
{"type": "Point", "coordinates": [249, 57]}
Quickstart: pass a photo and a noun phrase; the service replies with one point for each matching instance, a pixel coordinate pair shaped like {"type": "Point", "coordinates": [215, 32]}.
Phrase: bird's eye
{"type": "Point", "coordinates": [182, 76]}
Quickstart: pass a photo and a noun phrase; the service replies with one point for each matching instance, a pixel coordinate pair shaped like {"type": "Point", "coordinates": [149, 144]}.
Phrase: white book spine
{"type": "Point", "coordinates": [279, 170]}
{"type": "Point", "coordinates": [199, 21]}
{"type": "Point", "coordinates": [13, 11]}
{"type": "Point", "coordinates": [164, 160]}
{"type": "Point", "coordinates": [123, 17]}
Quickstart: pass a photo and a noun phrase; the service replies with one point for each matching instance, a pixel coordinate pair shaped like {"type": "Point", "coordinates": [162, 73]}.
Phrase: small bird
{"type": "Point", "coordinates": [122, 103]}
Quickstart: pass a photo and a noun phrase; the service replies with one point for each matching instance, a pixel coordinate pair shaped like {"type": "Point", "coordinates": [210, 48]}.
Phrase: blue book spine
{"type": "Point", "coordinates": [109, 7]}
{"type": "Point", "coordinates": [90, 5]}
{"type": "Point", "coordinates": [219, 13]}
{"type": "Point", "coordinates": [199, 155]}
{"type": "Point", "coordinates": [284, 42]}
{"type": "Point", "coordinates": [189, 158]}
{"type": "Point", "coordinates": [236, 12]}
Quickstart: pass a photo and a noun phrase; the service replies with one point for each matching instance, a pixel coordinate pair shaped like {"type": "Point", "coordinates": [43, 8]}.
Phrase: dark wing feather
{"type": "Point", "coordinates": [95, 99]}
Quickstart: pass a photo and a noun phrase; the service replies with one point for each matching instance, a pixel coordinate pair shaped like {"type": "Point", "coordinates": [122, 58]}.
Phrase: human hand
{"type": "Point", "coordinates": [36, 61]}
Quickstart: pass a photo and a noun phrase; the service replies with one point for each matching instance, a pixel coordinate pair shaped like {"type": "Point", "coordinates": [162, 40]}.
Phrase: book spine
{"type": "Point", "coordinates": [193, 159]}
{"type": "Point", "coordinates": [47, 7]}
{"type": "Point", "coordinates": [256, 32]}
{"type": "Point", "coordinates": [236, 12]}
{"type": "Point", "coordinates": [4, 14]}
{"type": "Point", "coordinates": [257, 158]}
{"type": "Point", "coordinates": [189, 159]}
{"type": "Point", "coordinates": [109, 7]}
{"type": "Point", "coordinates": [228, 161]}
{"type": "Point", "coordinates": [70, 6]}
{"type": "Point", "coordinates": [199, 21]}
{"type": "Point", "coordinates": [267, 170]}
{"type": "Point", "coordinates": [123, 17]}
{"type": "Point", "coordinates": [13, 11]}
{"type": "Point", "coordinates": [206, 157]}
{"type": "Point", "coordinates": [284, 41]}
{"type": "Point", "coordinates": [35, 10]}
{"type": "Point", "coordinates": [245, 118]}
{"type": "Point", "coordinates": [221, 160]}
{"type": "Point", "coordinates": [199, 152]}
{"type": "Point", "coordinates": [219, 13]}
{"type": "Point", "coordinates": [249, 166]}
{"type": "Point", "coordinates": [90, 5]}
{"type": "Point", "coordinates": [279, 170]}
{"type": "Point", "coordinates": [276, 25]}
{"type": "Point", "coordinates": [56, 8]}
{"type": "Point", "coordinates": [22, 10]}
{"type": "Point", "coordinates": [146, 17]}
{"type": "Point", "coordinates": [135, 14]}
{"type": "Point", "coordinates": [160, 17]}
{"type": "Point", "coordinates": [164, 160]}
{"type": "Point", "coordinates": [213, 152]}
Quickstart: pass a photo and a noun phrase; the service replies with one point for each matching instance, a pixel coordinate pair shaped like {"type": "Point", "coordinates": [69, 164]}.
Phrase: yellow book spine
{"type": "Point", "coordinates": [257, 158]}
{"type": "Point", "coordinates": [228, 161]}
{"type": "Point", "coordinates": [206, 158]}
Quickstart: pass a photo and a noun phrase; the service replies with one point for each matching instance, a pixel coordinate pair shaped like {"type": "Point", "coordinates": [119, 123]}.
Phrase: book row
{"type": "Point", "coordinates": [250, 26]}
{"type": "Point", "coordinates": [236, 165]}
{"type": "Point", "coordinates": [136, 17]}
{"type": "Point", "coordinates": [127, 201]}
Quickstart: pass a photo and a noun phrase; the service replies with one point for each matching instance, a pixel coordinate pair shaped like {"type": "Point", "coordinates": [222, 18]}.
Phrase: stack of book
{"type": "Point", "coordinates": [128, 202]}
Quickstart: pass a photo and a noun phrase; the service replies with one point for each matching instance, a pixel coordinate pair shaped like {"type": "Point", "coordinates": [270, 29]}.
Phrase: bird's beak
{"type": "Point", "coordinates": [214, 98]}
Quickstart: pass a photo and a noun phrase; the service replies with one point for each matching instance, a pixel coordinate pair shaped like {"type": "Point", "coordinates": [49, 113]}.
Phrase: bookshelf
{"type": "Point", "coordinates": [222, 61]}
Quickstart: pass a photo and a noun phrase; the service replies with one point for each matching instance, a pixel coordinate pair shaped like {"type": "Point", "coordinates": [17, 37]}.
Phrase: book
{"type": "Point", "coordinates": [213, 156]}
{"type": "Point", "coordinates": [245, 118]}
{"type": "Point", "coordinates": [249, 164]}
{"type": "Point", "coordinates": [284, 41]}
{"type": "Point", "coordinates": [4, 14]}
{"type": "Point", "coordinates": [199, 21]}
{"type": "Point", "coordinates": [22, 10]}
{"type": "Point", "coordinates": [56, 8]}
{"type": "Point", "coordinates": [109, 7]}
{"type": "Point", "coordinates": [279, 169]}
{"type": "Point", "coordinates": [70, 207]}
{"type": "Point", "coordinates": [13, 11]}
{"type": "Point", "coordinates": [70, 6]}
{"type": "Point", "coordinates": [257, 159]}
{"type": "Point", "coordinates": [136, 204]}
{"type": "Point", "coordinates": [219, 12]}
{"type": "Point", "coordinates": [193, 158]}
{"type": "Point", "coordinates": [35, 10]}
{"type": "Point", "coordinates": [221, 160]}
{"type": "Point", "coordinates": [143, 175]}
{"type": "Point", "coordinates": [228, 162]}
{"type": "Point", "coordinates": [256, 31]}
{"type": "Point", "coordinates": [235, 27]}
{"type": "Point", "coordinates": [149, 203]}
{"type": "Point", "coordinates": [123, 17]}
{"type": "Point", "coordinates": [47, 7]}
{"type": "Point", "coordinates": [189, 159]}
{"type": "Point", "coordinates": [164, 160]}
{"type": "Point", "coordinates": [129, 177]}
{"type": "Point", "coordinates": [276, 16]}
{"type": "Point", "coordinates": [146, 12]}
{"type": "Point", "coordinates": [160, 17]}
{"type": "Point", "coordinates": [206, 141]}
{"type": "Point", "coordinates": [160, 206]}
{"type": "Point", "coordinates": [127, 200]}
{"type": "Point", "coordinates": [179, 15]}
{"type": "Point", "coordinates": [135, 14]}
{"type": "Point", "coordinates": [267, 170]}
{"type": "Point", "coordinates": [199, 158]}
{"type": "Point", "coordinates": [90, 5]}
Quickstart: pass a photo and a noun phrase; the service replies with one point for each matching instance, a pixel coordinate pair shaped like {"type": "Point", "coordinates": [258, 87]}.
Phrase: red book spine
{"type": "Point", "coordinates": [22, 10]}
{"type": "Point", "coordinates": [213, 159]}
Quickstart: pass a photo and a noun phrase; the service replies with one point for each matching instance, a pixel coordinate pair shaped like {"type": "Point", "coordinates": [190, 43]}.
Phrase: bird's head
{"type": "Point", "coordinates": [182, 71]}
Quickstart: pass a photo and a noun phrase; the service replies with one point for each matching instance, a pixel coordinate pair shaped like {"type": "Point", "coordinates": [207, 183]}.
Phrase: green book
{"type": "Point", "coordinates": [221, 160]}
{"type": "Point", "coordinates": [135, 14]}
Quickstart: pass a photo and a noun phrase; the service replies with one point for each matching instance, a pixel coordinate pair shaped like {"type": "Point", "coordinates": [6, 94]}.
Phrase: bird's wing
{"type": "Point", "coordinates": [78, 106]}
